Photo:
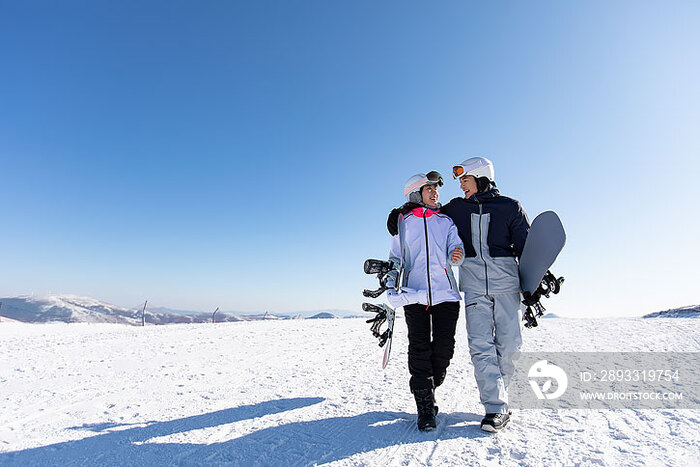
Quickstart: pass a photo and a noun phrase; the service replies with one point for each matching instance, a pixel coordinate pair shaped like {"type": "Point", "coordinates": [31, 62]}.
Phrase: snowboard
{"type": "Point", "coordinates": [384, 313]}
{"type": "Point", "coordinates": [390, 317]}
{"type": "Point", "coordinates": [544, 242]}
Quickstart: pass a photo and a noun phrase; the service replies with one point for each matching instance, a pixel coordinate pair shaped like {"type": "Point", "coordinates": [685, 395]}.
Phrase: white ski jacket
{"type": "Point", "coordinates": [429, 240]}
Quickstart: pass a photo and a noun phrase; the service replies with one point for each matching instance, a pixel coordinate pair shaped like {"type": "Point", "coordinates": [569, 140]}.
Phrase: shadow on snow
{"type": "Point", "coordinates": [296, 443]}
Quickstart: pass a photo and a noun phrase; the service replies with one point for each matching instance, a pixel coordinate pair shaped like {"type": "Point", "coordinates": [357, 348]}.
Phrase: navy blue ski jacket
{"type": "Point", "coordinates": [507, 229]}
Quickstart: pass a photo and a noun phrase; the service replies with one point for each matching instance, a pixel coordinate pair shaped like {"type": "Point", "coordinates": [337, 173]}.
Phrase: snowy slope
{"type": "Point", "coordinates": [322, 316]}
{"type": "Point", "coordinates": [67, 309]}
{"type": "Point", "coordinates": [76, 309]}
{"type": "Point", "coordinates": [303, 392]}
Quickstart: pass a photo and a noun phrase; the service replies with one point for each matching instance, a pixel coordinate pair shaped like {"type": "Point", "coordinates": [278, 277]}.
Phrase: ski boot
{"type": "Point", "coordinates": [425, 403]}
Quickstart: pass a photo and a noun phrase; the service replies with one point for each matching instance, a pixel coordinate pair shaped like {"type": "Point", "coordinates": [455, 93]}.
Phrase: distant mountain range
{"type": "Point", "coordinates": [685, 312]}
{"type": "Point", "coordinates": [75, 309]}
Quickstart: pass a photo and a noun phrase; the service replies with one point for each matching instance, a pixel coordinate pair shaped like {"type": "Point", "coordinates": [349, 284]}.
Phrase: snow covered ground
{"type": "Point", "coordinates": [303, 392]}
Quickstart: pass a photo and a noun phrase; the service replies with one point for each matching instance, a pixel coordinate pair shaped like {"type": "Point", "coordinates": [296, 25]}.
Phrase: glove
{"type": "Point", "coordinates": [392, 222]}
{"type": "Point", "coordinates": [531, 299]}
{"type": "Point", "coordinates": [388, 281]}
{"type": "Point", "coordinates": [397, 299]}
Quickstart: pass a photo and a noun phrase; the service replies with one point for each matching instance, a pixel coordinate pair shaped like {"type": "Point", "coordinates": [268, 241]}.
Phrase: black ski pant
{"type": "Point", "coordinates": [429, 353]}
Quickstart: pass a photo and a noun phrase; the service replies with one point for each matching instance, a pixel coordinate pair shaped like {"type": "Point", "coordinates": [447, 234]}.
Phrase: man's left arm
{"type": "Point", "coordinates": [519, 226]}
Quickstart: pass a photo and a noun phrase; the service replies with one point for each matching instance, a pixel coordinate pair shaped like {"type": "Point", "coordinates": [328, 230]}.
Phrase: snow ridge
{"type": "Point", "coordinates": [684, 312]}
{"type": "Point", "coordinates": [77, 309]}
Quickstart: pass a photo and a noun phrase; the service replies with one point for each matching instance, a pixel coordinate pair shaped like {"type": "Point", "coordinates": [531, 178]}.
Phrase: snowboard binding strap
{"type": "Point", "coordinates": [378, 321]}
{"type": "Point", "coordinates": [550, 284]}
{"type": "Point", "coordinates": [382, 269]}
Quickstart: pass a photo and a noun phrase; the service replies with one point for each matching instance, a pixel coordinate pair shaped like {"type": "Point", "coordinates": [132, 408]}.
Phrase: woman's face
{"type": "Point", "coordinates": [429, 194]}
{"type": "Point", "coordinates": [468, 185]}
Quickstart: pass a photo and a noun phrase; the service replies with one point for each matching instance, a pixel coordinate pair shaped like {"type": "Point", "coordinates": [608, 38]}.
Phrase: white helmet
{"type": "Point", "coordinates": [476, 166]}
{"type": "Point", "coordinates": [411, 189]}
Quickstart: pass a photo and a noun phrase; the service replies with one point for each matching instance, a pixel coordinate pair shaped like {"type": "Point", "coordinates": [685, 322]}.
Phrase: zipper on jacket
{"type": "Point", "coordinates": [481, 249]}
{"type": "Point", "coordinates": [427, 259]}
{"type": "Point", "coordinates": [448, 278]}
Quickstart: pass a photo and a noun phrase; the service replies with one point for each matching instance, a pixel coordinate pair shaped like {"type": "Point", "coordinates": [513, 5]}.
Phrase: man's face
{"type": "Point", "coordinates": [429, 194]}
{"type": "Point", "coordinates": [468, 185]}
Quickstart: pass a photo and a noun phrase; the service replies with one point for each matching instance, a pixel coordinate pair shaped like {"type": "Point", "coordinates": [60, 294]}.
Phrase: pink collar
{"type": "Point", "coordinates": [424, 212]}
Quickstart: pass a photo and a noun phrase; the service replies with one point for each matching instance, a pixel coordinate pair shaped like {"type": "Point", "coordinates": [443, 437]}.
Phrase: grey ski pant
{"type": "Point", "coordinates": [493, 330]}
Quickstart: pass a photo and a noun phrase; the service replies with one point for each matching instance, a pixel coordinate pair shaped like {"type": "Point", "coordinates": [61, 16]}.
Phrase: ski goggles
{"type": "Point", "coordinates": [431, 178]}
{"type": "Point", "coordinates": [458, 171]}
{"type": "Point", "coordinates": [434, 178]}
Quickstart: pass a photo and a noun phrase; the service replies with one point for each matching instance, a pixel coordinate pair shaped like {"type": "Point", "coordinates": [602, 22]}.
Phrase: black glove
{"type": "Point", "coordinates": [530, 299]}
{"type": "Point", "coordinates": [392, 222]}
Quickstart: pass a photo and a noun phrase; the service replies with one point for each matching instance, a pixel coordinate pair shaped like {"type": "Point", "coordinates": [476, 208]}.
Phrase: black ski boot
{"type": "Point", "coordinates": [425, 403]}
{"type": "Point", "coordinates": [494, 422]}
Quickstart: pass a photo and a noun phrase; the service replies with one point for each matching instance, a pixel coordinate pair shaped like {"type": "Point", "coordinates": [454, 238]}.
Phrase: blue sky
{"type": "Point", "coordinates": [245, 154]}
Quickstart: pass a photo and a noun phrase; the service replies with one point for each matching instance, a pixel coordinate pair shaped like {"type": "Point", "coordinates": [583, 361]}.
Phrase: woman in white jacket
{"type": "Point", "coordinates": [427, 247]}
